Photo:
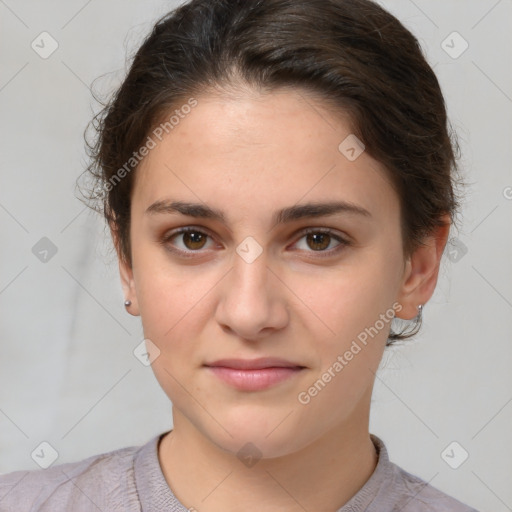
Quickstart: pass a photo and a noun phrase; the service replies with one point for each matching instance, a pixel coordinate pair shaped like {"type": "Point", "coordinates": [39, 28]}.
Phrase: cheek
{"type": "Point", "coordinates": [174, 310]}
{"type": "Point", "coordinates": [172, 303]}
{"type": "Point", "coordinates": [164, 295]}
{"type": "Point", "coordinates": [355, 307]}
{"type": "Point", "coordinates": [351, 299]}
{"type": "Point", "coordinates": [358, 311]}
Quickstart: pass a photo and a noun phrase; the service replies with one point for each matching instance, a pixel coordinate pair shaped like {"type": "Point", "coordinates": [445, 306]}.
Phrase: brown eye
{"type": "Point", "coordinates": [324, 242]}
{"type": "Point", "coordinates": [318, 241]}
{"type": "Point", "coordinates": [186, 241]}
{"type": "Point", "coordinates": [194, 240]}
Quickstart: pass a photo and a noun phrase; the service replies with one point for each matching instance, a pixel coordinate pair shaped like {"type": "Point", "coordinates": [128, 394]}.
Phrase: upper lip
{"type": "Point", "coordinates": [254, 364]}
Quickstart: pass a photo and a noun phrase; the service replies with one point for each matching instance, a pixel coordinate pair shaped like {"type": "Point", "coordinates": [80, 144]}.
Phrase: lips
{"type": "Point", "coordinates": [254, 364]}
{"type": "Point", "coordinates": [254, 374]}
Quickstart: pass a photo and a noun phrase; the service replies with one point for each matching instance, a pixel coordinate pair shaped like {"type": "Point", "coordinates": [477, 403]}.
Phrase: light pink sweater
{"type": "Point", "coordinates": [131, 480]}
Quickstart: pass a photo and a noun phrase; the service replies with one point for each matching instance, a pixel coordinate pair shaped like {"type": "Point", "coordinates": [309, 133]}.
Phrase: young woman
{"type": "Point", "coordinates": [277, 176]}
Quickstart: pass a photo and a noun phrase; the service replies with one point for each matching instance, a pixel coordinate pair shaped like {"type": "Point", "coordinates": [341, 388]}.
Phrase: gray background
{"type": "Point", "coordinates": [68, 375]}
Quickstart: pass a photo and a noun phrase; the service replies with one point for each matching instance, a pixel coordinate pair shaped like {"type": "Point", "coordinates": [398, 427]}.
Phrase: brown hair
{"type": "Point", "coordinates": [352, 54]}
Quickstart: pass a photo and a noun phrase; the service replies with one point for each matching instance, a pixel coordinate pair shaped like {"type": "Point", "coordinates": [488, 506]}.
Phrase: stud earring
{"type": "Point", "coordinates": [127, 303]}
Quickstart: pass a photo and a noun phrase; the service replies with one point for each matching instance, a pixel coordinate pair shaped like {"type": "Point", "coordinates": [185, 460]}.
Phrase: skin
{"type": "Point", "coordinates": [249, 155]}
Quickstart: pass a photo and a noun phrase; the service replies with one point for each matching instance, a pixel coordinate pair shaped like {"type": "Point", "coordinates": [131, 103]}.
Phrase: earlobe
{"type": "Point", "coordinates": [126, 275]}
{"type": "Point", "coordinates": [422, 271]}
{"type": "Point", "coordinates": [128, 285]}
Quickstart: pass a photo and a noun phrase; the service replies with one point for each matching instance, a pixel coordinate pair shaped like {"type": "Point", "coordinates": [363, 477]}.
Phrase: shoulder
{"type": "Point", "coordinates": [400, 490]}
{"type": "Point", "coordinates": [97, 482]}
{"type": "Point", "coordinates": [416, 495]}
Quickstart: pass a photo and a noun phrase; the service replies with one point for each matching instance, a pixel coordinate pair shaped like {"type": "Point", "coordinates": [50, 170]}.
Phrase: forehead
{"type": "Point", "coordinates": [261, 150]}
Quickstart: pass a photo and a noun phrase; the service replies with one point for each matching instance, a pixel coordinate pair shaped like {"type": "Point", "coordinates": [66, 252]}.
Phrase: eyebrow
{"type": "Point", "coordinates": [289, 214]}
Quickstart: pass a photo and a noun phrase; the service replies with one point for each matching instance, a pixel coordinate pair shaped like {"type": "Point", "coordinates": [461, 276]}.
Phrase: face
{"type": "Point", "coordinates": [247, 283]}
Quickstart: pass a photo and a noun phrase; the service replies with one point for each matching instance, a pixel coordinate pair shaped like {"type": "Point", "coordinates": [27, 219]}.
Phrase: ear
{"type": "Point", "coordinates": [421, 271]}
{"type": "Point", "coordinates": [126, 274]}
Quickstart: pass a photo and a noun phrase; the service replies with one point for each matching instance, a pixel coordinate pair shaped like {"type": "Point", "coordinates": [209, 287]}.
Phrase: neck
{"type": "Point", "coordinates": [206, 478]}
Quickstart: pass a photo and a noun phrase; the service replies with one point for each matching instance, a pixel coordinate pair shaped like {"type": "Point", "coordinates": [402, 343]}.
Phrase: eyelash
{"type": "Point", "coordinates": [343, 243]}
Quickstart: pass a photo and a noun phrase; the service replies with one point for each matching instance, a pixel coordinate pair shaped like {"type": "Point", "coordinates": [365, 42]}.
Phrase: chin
{"type": "Point", "coordinates": [254, 435]}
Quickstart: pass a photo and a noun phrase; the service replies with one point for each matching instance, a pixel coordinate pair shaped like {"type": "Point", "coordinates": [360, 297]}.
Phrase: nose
{"type": "Point", "coordinates": [252, 301]}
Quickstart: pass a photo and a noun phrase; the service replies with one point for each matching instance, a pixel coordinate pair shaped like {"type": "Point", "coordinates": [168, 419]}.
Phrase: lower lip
{"type": "Point", "coordinates": [253, 380]}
